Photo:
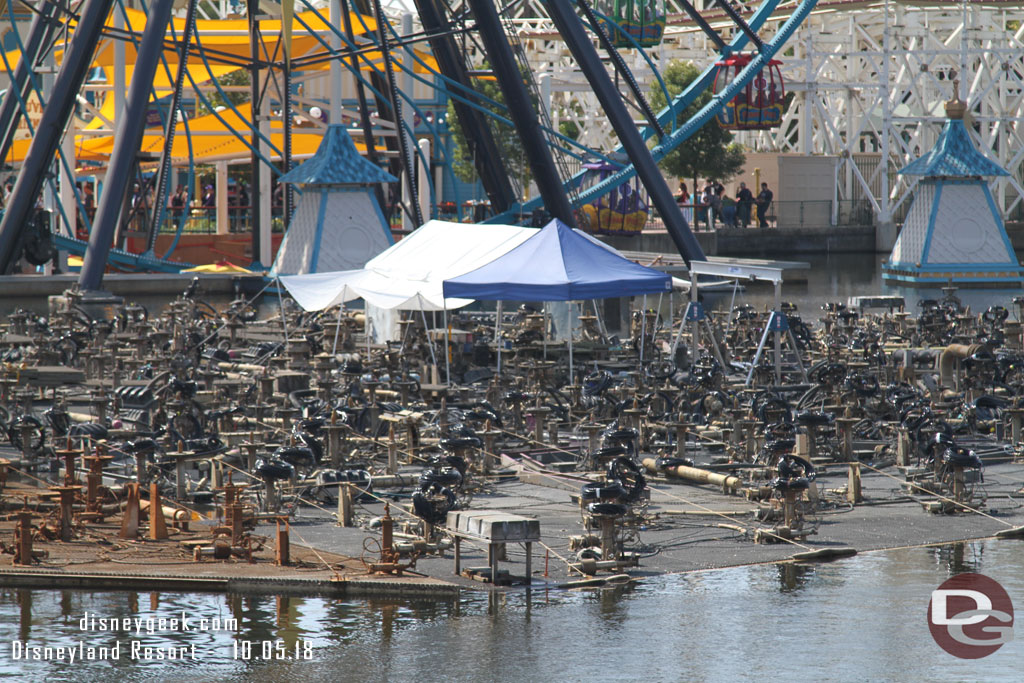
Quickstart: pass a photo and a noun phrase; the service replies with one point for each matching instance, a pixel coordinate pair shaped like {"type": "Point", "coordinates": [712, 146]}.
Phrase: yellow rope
{"type": "Point", "coordinates": [731, 520]}
{"type": "Point", "coordinates": [932, 493]}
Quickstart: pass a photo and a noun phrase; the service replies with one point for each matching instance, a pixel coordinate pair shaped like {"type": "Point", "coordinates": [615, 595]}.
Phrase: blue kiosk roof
{"type": "Point", "coordinates": [557, 264]}
{"type": "Point", "coordinates": [337, 162]}
{"type": "Point", "coordinates": [954, 155]}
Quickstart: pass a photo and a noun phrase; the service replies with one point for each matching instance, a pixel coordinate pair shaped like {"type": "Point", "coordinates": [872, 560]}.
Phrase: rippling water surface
{"type": "Point", "coordinates": [861, 619]}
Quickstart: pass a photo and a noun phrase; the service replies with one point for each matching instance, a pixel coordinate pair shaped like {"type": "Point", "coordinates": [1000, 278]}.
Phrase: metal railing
{"type": "Point", "coordinates": [780, 214]}
{"type": "Point", "coordinates": [204, 221]}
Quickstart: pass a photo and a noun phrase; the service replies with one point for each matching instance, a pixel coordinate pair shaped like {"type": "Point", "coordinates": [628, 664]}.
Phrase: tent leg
{"type": "Point", "coordinates": [284, 321]}
{"type": "Point", "coordinates": [572, 310]}
{"type": "Point", "coordinates": [447, 349]}
{"type": "Point", "coordinates": [732, 303]}
{"type": "Point", "coordinates": [433, 356]}
{"type": "Point", "coordinates": [671, 312]}
{"type": "Point", "coordinates": [643, 329]}
{"type": "Point", "coordinates": [405, 335]}
{"type": "Point", "coordinates": [600, 320]}
{"type": "Point", "coordinates": [337, 329]}
{"type": "Point", "coordinates": [497, 335]}
{"type": "Point", "coordinates": [544, 332]}
{"type": "Point", "coordinates": [679, 334]}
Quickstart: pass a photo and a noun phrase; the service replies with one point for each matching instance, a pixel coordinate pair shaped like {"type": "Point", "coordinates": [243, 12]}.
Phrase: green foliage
{"type": "Point", "coordinates": [710, 152]}
{"type": "Point", "coordinates": [569, 129]}
{"type": "Point", "coordinates": [505, 136]}
{"type": "Point", "coordinates": [237, 97]}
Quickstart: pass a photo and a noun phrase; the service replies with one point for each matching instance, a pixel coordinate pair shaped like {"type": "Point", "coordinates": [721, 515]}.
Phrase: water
{"type": "Point", "coordinates": [832, 277]}
{"type": "Point", "coordinates": [837, 277]}
{"type": "Point", "coordinates": [859, 619]}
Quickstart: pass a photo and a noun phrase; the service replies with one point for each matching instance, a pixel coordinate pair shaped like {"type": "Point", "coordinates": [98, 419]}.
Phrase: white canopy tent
{"type": "Point", "coordinates": [408, 275]}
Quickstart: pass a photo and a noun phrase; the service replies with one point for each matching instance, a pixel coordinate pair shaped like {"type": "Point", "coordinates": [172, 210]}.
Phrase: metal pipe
{"type": "Point", "coordinates": [130, 127]}
{"type": "Point", "coordinates": [165, 171]}
{"type": "Point", "coordinates": [622, 69]}
{"type": "Point", "coordinates": [364, 111]}
{"type": "Point", "coordinates": [704, 25]}
{"type": "Point", "coordinates": [40, 33]}
{"type": "Point", "coordinates": [949, 356]}
{"type": "Point", "coordinates": [695, 474]}
{"type": "Point", "coordinates": [50, 130]}
{"type": "Point", "coordinates": [256, 217]}
{"type": "Point", "coordinates": [744, 26]}
{"type": "Point", "coordinates": [578, 42]}
{"type": "Point", "coordinates": [478, 133]}
{"type": "Point", "coordinates": [522, 111]}
{"type": "Point", "coordinates": [395, 101]}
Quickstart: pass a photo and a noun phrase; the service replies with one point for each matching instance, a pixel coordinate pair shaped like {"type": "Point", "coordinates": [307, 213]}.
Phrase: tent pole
{"type": "Point", "coordinates": [572, 310]}
{"type": "Point", "coordinates": [600, 320]}
{"type": "Point", "coordinates": [337, 329]}
{"type": "Point", "coordinates": [497, 334]}
{"type": "Point", "coordinates": [657, 318]}
{"type": "Point", "coordinates": [447, 347]}
{"type": "Point", "coordinates": [405, 335]}
{"type": "Point", "coordinates": [643, 329]}
{"type": "Point", "coordinates": [695, 336]}
{"type": "Point", "coordinates": [433, 356]}
{"type": "Point", "coordinates": [544, 330]}
{"type": "Point", "coordinates": [671, 304]}
{"type": "Point", "coordinates": [732, 303]}
{"type": "Point", "coordinates": [679, 334]}
{"type": "Point", "coordinates": [366, 329]}
{"type": "Point", "coordinates": [284, 321]}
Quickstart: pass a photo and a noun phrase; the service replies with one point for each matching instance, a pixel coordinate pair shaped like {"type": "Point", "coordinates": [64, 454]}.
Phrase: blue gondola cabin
{"type": "Point", "coordinates": [630, 23]}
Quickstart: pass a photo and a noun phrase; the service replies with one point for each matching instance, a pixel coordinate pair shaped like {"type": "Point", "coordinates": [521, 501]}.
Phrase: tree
{"type": "Point", "coordinates": [506, 138]}
{"type": "Point", "coordinates": [710, 151]}
{"type": "Point", "coordinates": [238, 98]}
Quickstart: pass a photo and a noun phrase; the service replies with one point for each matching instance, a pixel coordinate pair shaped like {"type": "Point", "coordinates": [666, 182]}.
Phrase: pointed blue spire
{"type": "Point", "coordinates": [337, 162]}
{"type": "Point", "coordinates": [954, 156]}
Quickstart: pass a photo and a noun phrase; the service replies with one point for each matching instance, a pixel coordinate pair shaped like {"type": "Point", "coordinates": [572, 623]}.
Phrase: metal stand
{"type": "Point", "coordinates": [779, 324]}
{"type": "Point", "coordinates": [699, 324]}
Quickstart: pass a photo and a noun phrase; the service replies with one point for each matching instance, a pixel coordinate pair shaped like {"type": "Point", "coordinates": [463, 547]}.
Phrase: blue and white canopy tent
{"type": "Point", "coordinates": [408, 275]}
{"type": "Point", "coordinates": [557, 264]}
{"type": "Point", "coordinates": [953, 231]}
{"type": "Point", "coordinates": [338, 224]}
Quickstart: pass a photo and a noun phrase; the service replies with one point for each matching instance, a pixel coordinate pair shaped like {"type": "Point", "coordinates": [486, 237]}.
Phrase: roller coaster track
{"type": "Point", "coordinates": [683, 100]}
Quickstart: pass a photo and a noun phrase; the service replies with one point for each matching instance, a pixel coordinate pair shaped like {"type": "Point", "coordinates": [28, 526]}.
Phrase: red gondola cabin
{"type": "Point", "coordinates": [759, 105]}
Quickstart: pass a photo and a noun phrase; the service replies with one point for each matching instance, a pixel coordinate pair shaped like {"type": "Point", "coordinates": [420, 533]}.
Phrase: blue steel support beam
{"type": "Point", "coordinates": [576, 39]}
{"type": "Point", "coordinates": [686, 98]}
{"type": "Point", "coordinates": [486, 157]}
{"type": "Point", "coordinates": [128, 134]}
{"type": "Point", "coordinates": [51, 127]}
{"type": "Point", "coordinates": [40, 33]}
{"type": "Point", "coordinates": [499, 53]}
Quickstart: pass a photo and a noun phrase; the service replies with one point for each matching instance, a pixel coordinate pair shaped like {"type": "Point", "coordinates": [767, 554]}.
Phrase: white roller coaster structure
{"type": "Point", "coordinates": [869, 80]}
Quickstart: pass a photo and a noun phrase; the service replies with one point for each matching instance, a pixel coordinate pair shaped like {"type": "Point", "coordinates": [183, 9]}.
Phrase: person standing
{"type": "Point", "coordinates": [728, 209]}
{"type": "Point", "coordinates": [744, 202]}
{"type": "Point", "coordinates": [89, 201]}
{"type": "Point", "coordinates": [714, 200]}
{"type": "Point", "coordinates": [178, 201]}
{"type": "Point", "coordinates": [764, 200]}
{"type": "Point", "coordinates": [683, 201]}
{"type": "Point", "coordinates": [210, 201]}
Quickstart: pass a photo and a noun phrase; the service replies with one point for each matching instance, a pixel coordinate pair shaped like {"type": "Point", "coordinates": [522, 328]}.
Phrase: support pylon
{"type": "Point", "coordinates": [157, 523]}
